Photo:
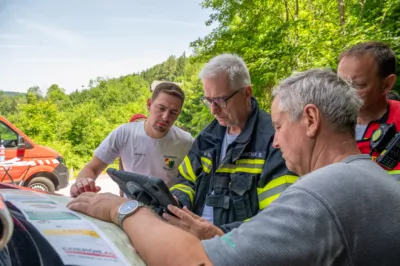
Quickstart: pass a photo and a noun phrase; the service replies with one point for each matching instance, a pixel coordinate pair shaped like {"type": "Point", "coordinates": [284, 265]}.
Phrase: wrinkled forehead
{"type": "Point", "coordinates": [216, 86]}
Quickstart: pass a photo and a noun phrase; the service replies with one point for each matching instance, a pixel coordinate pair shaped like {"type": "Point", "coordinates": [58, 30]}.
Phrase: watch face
{"type": "Point", "coordinates": [128, 207]}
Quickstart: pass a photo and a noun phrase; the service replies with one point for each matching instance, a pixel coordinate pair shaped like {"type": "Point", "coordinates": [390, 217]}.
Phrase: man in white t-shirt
{"type": "Point", "coordinates": [153, 147]}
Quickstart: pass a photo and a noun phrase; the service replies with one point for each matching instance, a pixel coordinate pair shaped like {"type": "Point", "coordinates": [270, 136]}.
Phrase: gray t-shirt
{"type": "Point", "coordinates": [347, 213]}
{"type": "Point", "coordinates": [144, 155]}
{"type": "Point", "coordinates": [360, 130]}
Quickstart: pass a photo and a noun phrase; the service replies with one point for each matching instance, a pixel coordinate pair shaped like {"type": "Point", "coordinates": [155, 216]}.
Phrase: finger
{"type": "Point", "coordinates": [89, 194]}
{"type": "Point", "coordinates": [92, 186]}
{"type": "Point", "coordinates": [74, 191]}
{"type": "Point", "coordinates": [174, 221]}
{"type": "Point", "coordinates": [176, 211]}
{"type": "Point", "coordinates": [188, 219]}
{"type": "Point", "coordinates": [183, 215]}
{"type": "Point", "coordinates": [185, 209]}
{"type": "Point", "coordinates": [82, 207]}
{"type": "Point", "coordinates": [170, 218]}
{"type": "Point", "coordinates": [84, 197]}
{"type": "Point", "coordinates": [97, 189]}
{"type": "Point", "coordinates": [80, 187]}
{"type": "Point", "coordinates": [80, 198]}
{"type": "Point", "coordinates": [87, 184]}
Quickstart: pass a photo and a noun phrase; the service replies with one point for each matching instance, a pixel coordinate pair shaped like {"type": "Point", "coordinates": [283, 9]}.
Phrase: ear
{"type": "Point", "coordinates": [148, 103]}
{"type": "Point", "coordinates": [312, 118]}
{"type": "Point", "coordinates": [389, 83]}
{"type": "Point", "coordinates": [248, 91]}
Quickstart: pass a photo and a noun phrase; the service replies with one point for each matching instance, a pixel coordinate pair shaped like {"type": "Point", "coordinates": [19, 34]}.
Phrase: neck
{"type": "Point", "coordinates": [235, 130]}
{"type": "Point", "coordinates": [372, 113]}
{"type": "Point", "coordinates": [153, 133]}
{"type": "Point", "coordinates": [333, 151]}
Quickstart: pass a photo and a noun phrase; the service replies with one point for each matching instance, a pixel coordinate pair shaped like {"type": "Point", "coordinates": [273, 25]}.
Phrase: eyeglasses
{"type": "Point", "coordinates": [220, 102]}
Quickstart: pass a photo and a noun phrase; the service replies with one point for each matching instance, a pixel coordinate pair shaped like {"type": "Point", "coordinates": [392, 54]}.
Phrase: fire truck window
{"type": "Point", "coordinates": [8, 137]}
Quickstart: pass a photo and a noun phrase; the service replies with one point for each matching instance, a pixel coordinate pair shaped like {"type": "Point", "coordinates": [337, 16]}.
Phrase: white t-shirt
{"type": "Point", "coordinates": [208, 211]}
{"type": "Point", "coordinates": [144, 155]}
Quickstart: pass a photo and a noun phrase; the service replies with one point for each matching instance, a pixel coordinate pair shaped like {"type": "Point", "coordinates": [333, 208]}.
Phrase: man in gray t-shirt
{"type": "Point", "coordinates": [346, 213]}
{"type": "Point", "coordinates": [344, 210]}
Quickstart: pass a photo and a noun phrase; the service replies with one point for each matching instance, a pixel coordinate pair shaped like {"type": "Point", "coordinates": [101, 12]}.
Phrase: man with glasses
{"type": "Point", "coordinates": [232, 171]}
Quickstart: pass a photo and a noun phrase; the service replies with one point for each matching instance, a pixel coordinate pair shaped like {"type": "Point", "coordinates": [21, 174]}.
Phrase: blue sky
{"type": "Point", "coordinates": [70, 42]}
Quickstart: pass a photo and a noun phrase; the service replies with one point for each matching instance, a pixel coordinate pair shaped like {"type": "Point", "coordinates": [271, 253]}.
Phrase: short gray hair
{"type": "Point", "coordinates": [231, 64]}
{"type": "Point", "coordinates": [337, 99]}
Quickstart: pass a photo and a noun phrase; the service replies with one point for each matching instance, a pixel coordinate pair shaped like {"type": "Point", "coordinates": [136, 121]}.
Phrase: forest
{"type": "Point", "coordinates": [275, 38]}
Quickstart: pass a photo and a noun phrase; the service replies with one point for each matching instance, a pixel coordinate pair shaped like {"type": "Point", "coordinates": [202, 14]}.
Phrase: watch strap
{"type": "Point", "coordinates": [122, 217]}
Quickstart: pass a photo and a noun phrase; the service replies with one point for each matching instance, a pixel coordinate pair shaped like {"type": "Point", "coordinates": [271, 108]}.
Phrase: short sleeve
{"type": "Point", "coordinates": [296, 229]}
{"type": "Point", "coordinates": [110, 148]}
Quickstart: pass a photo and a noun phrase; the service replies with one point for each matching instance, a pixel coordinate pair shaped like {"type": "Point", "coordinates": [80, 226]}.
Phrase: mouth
{"type": "Point", "coordinates": [161, 124]}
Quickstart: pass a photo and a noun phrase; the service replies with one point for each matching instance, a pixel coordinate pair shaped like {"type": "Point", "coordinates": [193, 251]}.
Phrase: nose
{"type": "Point", "coordinates": [214, 109]}
{"type": "Point", "coordinates": [275, 143]}
{"type": "Point", "coordinates": [165, 115]}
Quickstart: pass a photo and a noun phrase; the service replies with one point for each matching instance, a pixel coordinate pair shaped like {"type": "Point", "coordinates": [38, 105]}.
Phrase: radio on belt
{"type": "Point", "coordinates": [385, 141]}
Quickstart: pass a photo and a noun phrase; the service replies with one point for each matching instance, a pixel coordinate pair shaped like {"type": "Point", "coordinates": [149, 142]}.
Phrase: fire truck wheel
{"type": "Point", "coordinates": [42, 183]}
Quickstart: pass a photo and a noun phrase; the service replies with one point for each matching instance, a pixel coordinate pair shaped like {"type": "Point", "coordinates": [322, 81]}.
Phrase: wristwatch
{"type": "Point", "coordinates": [127, 209]}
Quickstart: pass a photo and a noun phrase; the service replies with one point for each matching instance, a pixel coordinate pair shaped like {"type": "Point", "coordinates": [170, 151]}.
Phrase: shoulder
{"type": "Point", "coordinates": [129, 128]}
{"type": "Point", "coordinates": [394, 111]}
{"type": "Point", "coordinates": [180, 134]}
{"type": "Point", "coordinates": [394, 103]}
{"type": "Point", "coordinates": [264, 116]}
{"type": "Point", "coordinates": [350, 173]}
{"type": "Point", "coordinates": [263, 125]}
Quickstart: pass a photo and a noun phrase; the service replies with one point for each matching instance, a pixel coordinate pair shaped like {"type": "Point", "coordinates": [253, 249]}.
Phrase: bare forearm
{"type": "Point", "coordinates": [93, 169]}
{"type": "Point", "coordinates": [159, 243]}
{"type": "Point", "coordinates": [87, 172]}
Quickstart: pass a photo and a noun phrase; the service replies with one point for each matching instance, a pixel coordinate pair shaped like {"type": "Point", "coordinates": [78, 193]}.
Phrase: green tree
{"type": "Point", "coordinates": [57, 95]}
{"type": "Point", "coordinates": [34, 94]}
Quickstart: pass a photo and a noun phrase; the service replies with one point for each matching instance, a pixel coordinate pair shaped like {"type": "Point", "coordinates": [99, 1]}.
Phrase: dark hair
{"type": "Point", "coordinates": [392, 95]}
{"type": "Point", "coordinates": [383, 54]}
{"type": "Point", "coordinates": [169, 88]}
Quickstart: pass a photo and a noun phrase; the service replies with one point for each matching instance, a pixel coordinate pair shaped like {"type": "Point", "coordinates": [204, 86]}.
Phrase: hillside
{"type": "Point", "coordinates": [291, 36]}
{"type": "Point", "coordinates": [12, 93]}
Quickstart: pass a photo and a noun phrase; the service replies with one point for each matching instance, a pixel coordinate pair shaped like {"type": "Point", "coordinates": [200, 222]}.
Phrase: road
{"type": "Point", "coordinates": [104, 181]}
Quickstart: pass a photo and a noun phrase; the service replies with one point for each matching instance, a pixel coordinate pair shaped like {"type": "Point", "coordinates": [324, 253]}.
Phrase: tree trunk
{"type": "Point", "coordinates": [341, 12]}
{"type": "Point", "coordinates": [287, 11]}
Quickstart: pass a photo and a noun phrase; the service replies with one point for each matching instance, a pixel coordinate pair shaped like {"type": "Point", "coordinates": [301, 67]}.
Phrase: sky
{"type": "Point", "coordinates": [45, 42]}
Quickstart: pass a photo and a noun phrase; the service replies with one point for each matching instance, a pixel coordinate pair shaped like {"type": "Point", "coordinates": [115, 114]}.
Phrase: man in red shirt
{"type": "Point", "coordinates": [371, 67]}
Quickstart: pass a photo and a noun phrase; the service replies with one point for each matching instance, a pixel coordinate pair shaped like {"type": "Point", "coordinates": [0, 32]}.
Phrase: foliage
{"type": "Point", "coordinates": [275, 38]}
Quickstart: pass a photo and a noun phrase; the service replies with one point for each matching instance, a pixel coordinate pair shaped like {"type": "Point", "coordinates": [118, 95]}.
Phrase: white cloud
{"type": "Point", "coordinates": [20, 46]}
{"type": "Point", "coordinates": [53, 31]}
{"type": "Point", "coordinates": [158, 21]}
{"type": "Point", "coordinates": [49, 60]}
{"type": "Point", "coordinates": [9, 36]}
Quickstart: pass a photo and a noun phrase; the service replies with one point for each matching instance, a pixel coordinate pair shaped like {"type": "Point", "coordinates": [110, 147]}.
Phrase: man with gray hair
{"type": "Point", "coordinates": [232, 171]}
{"type": "Point", "coordinates": [344, 209]}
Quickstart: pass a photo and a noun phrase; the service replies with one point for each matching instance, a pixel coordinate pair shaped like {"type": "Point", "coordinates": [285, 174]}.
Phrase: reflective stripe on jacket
{"type": "Point", "coordinates": [250, 177]}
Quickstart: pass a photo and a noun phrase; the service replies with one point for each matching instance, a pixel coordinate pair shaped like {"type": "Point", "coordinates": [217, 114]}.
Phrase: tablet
{"type": "Point", "coordinates": [146, 189]}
